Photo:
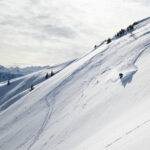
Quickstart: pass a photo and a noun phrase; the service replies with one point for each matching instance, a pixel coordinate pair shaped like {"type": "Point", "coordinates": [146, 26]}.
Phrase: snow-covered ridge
{"type": "Point", "coordinates": [85, 106]}
{"type": "Point", "coordinates": [14, 72]}
{"type": "Point", "coordinates": [20, 86]}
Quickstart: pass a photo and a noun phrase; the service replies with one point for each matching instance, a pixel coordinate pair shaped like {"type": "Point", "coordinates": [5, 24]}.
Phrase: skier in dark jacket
{"type": "Point", "coordinates": [120, 75]}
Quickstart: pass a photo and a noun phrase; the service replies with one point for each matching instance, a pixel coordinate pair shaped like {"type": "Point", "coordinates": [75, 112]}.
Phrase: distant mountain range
{"type": "Point", "coordinates": [13, 72]}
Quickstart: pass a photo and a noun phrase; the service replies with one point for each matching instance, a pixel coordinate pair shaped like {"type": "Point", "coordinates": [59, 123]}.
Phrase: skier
{"type": "Point", "coordinates": [120, 75]}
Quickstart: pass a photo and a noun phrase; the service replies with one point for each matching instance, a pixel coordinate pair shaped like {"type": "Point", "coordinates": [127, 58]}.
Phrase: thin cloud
{"type": "Point", "coordinates": [144, 2]}
{"type": "Point", "coordinates": [41, 32]}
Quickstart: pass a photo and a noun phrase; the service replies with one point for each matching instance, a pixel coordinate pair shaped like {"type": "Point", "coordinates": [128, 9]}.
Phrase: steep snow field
{"type": "Point", "coordinates": [85, 106]}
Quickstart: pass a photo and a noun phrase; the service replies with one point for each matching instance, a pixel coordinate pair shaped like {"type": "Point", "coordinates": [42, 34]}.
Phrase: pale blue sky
{"type": "Point", "coordinates": [47, 32]}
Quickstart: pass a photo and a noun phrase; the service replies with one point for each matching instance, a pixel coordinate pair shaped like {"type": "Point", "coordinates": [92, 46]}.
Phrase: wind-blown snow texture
{"type": "Point", "coordinates": [85, 106]}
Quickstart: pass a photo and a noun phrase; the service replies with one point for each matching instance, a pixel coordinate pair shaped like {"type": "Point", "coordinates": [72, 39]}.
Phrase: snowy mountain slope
{"type": "Point", "coordinates": [86, 106]}
{"type": "Point", "coordinates": [20, 86]}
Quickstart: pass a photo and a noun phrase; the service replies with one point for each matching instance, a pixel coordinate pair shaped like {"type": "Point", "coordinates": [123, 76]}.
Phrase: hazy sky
{"type": "Point", "coordinates": [47, 32]}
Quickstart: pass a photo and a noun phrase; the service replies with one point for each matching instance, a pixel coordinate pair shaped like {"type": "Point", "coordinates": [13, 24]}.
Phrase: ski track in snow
{"type": "Point", "coordinates": [126, 134]}
{"type": "Point", "coordinates": [128, 78]}
{"type": "Point", "coordinates": [140, 53]}
{"type": "Point", "coordinates": [50, 107]}
{"type": "Point", "coordinates": [91, 61]}
{"type": "Point", "coordinates": [50, 111]}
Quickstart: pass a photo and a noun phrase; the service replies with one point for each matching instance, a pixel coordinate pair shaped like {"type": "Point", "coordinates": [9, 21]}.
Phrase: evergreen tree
{"type": "Point", "coordinates": [108, 41]}
{"type": "Point", "coordinates": [47, 76]}
{"type": "Point", "coordinates": [130, 28]}
{"type": "Point", "coordinates": [8, 82]}
{"type": "Point", "coordinates": [32, 87]}
{"type": "Point", "coordinates": [52, 73]}
{"type": "Point", "coordinates": [135, 23]}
